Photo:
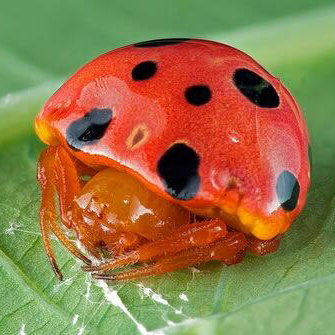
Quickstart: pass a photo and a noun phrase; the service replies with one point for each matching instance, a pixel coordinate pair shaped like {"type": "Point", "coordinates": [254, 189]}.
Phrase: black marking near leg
{"type": "Point", "coordinates": [89, 129]}
{"type": "Point", "coordinates": [288, 190]}
{"type": "Point", "coordinates": [256, 89]}
{"type": "Point", "coordinates": [144, 70]}
{"type": "Point", "coordinates": [160, 42]}
{"type": "Point", "coordinates": [178, 169]}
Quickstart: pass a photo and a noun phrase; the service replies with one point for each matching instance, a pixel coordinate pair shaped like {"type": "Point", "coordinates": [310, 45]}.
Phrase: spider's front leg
{"type": "Point", "coordinates": [57, 173]}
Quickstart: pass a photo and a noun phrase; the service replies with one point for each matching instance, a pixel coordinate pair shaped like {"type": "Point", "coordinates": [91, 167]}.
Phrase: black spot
{"type": "Point", "coordinates": [256, 89]}
{"type": "Point", "coordinates": [160, 43]}
{"type": "Point", "coordinates": [178, 169]}
{"type": "Point", "coordinates": [198, 95]}
{"type": "Point", "coordinates": [89, 129]}
{"type": "Point", "coordinates": [144, 70]}
{"type": "Point", "coordinates": [288, 190]}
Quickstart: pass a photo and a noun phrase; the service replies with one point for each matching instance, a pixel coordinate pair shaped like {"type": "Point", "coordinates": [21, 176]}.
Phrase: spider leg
{"type": "Point", "coordinates": [222, 249]}
{"type": "Point", "coordinates": [56, 172]}
{"type": "Point", "coordinates": [192, 235]}
{"type": "Point", "coordinates": [261, 248]}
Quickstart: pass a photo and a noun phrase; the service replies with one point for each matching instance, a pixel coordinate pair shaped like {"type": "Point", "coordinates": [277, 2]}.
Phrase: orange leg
{"type": "Point", "coordinates": [67, 184]}
{"type": "Point", "coordinates": [261, 248]}
{"type": "Point", "coordinates": [222, 250]}
{"type": "Point", "coordinates": [237, 258]}
{"type": "Point", "coordinates": [56, 171]}
{"type": "Point", "coordinates": [192, 235]}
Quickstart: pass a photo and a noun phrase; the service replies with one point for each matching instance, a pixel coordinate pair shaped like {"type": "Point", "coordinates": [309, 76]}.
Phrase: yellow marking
{"type": "Point", "coordinates": [45, 132]}
{"type": "Point", "coordinates": [249, 223]}
{"type": "Point", "coordinates": [262, 228]}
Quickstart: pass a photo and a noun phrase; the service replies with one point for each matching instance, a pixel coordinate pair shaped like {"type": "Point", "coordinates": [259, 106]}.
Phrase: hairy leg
{"type": "Point", "coordinates": [186, 237]}
{"type": "Point", "coordinates": [56, 172]}
{"type": "Point", "coordinates": [222, 250]}
{"type": "Point", "coordinates": [261, 248]}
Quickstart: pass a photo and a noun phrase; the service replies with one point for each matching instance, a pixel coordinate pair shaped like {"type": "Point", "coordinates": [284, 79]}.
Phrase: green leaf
{"type": "Point", "coordinates": [289, 292]}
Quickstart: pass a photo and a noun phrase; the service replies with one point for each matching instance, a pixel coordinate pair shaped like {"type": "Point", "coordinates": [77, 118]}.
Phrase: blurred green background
{"type": "Point", "coordinates": [290, 292]}
{"type": "Point", "coordinates": [41, 40]}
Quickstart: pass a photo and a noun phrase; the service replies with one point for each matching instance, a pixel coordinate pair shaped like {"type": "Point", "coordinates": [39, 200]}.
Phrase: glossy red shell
{"type": "Point", "coordinates": [242, 147]}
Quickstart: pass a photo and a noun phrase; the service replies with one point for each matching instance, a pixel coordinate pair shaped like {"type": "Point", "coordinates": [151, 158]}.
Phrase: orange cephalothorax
{"type": "Point", "coordinates": [188, 126]}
